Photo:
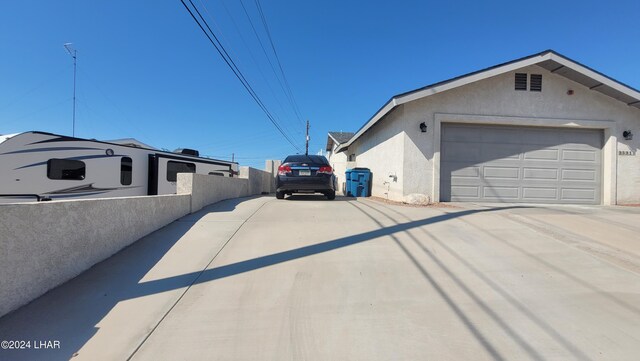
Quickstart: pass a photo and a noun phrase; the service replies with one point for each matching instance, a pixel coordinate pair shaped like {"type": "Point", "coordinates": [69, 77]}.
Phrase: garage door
{"type": "Point", "coordinates": [520, 164]}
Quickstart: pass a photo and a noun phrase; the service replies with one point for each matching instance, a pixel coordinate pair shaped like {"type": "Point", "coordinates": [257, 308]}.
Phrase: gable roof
{"type": "Point", "coordinates": [338, 138]}
{"type": "Point", "coordinates": [548, 59]}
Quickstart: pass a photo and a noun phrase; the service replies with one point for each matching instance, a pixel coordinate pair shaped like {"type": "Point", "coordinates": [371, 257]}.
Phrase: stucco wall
{"type": "Point", "coordinates": [338, 162]}
{"type": "Point", "coordinates": [43, 245]}
{"type": "Point", "coordinates": [259, 180]}
{"type": "Point", "coordinates": [381, 150]}
{"type": "Point", "coordinates": [46, 244]}
{"type": "Point", "coordinates": [207, 189]}
{"type": "Point", "coordinates": [271, 167]}
{"type": "Point", "coordinates": [496, 97]}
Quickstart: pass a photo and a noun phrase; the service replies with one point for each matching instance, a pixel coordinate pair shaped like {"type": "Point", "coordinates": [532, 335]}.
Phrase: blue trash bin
{"type": "Point", "coordinates": [358, 182]}
{"type": "Point", "coordinates": [347, 182]}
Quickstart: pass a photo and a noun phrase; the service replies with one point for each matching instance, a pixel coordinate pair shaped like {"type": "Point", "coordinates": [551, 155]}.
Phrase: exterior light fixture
{"type": "Point", "coordinates": [627, 135]}
{"type": "Point", "coordinates": [423, 127]}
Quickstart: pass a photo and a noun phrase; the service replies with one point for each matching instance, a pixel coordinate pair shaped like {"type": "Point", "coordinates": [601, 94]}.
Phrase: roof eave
{"type": "Point", "coordinates": [603, 79]}
{"type": "Point", "coordinates": [474, 77]}
{"type": "Point", "coordinates": [392, 103]}
{"type": "Point", "coordinates": [487, 73]}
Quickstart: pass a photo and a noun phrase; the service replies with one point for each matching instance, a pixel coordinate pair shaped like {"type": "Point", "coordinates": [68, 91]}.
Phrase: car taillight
{"type": "Point", "coordinates": [284, 169]}
{"type": "Point", "coordinates": [325, 169]}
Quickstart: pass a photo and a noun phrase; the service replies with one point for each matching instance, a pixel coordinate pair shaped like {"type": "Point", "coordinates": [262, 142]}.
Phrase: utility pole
{"type": "Point", "coordinates": [73, 52]}
{"type": "Point", "coordinates": [306, 148]}
{"type": "Point", "coordinates": [233, 157]}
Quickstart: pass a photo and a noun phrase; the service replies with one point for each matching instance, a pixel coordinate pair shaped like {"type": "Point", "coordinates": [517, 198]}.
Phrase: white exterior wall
{"type": "Point", "coordinates": [381, 150]}
{"type": "Point", "coordinates": [338, 162]}
{"type": "Point", "coordinates": [494, 101]}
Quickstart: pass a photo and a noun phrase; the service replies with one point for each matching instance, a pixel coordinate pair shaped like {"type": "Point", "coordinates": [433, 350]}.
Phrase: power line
{"type": "Point", "coordinates": [240, 158]}
{"type": "Point", "coordinates": [241, 75]}
{"type": "Point", "coordinates": [129, 123]}
{"type": "Point", "coordinates": [282, 85]}
{"type": "Point", "coordinates": [255, 62]}
{"type": "Point", "coordinates": [40, 85]}
{"type": "Point", "coordinates": [39, 110]}
{"type": "Point", "coordinates": [231, 64]}
{"type": "Point", "coordinates": [273, 47]}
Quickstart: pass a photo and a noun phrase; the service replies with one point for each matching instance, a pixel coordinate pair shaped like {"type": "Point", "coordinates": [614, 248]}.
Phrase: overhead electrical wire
{"type": "Point", "coordinates": [233, 143]}
{"type": "Point", "coordinates": [273, 47]}
{"type": "Point", "coordinates": [39, 110]}
{"type": "Point", "coordinates": [253, 58]}
{"type": "Point", "coordinates": [234, 68]}
{"type": "Point", "coordinates": [287, 127]}
{"type": "Point", "coordinates": [20, 96]}
{"type": "Point", "coordinates": [282, 85]}
{"type": "Point", "coordinates": [123, 116]}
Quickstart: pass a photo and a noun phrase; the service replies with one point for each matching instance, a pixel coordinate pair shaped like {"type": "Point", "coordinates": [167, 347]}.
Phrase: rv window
{"type": "Point", "coordinates": [65, 169]}
{"type": "Point", "coordinates": [173, 168]}
{"type": "Point", "coordinates": [126, 171]}
{"type": "Point", "coordinates": [216, 173]}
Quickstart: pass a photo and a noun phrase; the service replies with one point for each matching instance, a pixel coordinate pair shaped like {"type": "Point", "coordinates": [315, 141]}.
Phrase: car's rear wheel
{"type": "Point", "coordinates": [280, 195]}
{"type": "Point", "coordinates": [331, 195]}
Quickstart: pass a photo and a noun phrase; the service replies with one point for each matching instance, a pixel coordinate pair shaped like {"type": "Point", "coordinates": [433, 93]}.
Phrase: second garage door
{"type": "Point", "coordinates": [520, 164]}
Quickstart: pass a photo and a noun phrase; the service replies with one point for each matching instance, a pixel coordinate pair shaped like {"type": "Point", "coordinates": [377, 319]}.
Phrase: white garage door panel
{"type": "Point", "coordinates": [540, 193]}
{"type": "Point", "coordinates": [520, 164]}
{"type": "Point", "coordinates": [540, 174]}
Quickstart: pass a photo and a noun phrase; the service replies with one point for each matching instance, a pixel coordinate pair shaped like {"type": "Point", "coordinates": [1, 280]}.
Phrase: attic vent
{"type": "Point", "coordinates": [536, 83]}
{"type": "Point", "coordinates": [521, 81]}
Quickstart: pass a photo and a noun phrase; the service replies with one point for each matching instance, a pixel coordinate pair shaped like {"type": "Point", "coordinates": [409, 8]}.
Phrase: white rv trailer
{"type": "Point", "coordinates": [38, 165]}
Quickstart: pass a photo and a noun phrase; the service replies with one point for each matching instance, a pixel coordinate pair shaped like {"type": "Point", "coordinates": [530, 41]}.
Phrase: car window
{"type": "Point", "coordinates": [318, 159]}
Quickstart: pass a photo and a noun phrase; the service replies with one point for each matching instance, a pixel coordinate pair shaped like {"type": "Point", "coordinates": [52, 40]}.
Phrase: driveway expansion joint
{"type": "Point", "coordinates": [194, 281]}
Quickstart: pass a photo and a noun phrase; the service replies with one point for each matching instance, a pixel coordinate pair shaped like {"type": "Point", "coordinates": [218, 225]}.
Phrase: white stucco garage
{"type": "Point", "coordinates": [541, 129]}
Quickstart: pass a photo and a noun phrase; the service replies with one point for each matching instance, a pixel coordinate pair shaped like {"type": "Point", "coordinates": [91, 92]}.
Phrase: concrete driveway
{"type": "Point", "coordinates": [309, 279]}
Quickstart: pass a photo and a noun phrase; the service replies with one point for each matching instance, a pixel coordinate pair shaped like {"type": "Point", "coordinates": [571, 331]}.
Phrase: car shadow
{"type": "Point", "coordinates": [315, 197]}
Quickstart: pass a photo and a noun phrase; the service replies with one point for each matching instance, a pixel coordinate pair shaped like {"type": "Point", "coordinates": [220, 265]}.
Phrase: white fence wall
{"type": "Point", "coordinates": [43, 245]}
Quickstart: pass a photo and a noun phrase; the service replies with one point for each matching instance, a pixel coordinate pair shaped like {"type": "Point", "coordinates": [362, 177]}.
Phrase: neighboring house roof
{"type": "Point", "coordinates": [338, 138]}
{"type": "Point", "coordinates": [549, 59]}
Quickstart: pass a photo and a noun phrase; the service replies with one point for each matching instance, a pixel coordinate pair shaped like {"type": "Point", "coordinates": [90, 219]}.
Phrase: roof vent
{"type": "Point", "coordinates": [187, 151]}
{"type": "Point", "coordinates": [536, 83]}
{"type": "Point", "coordinates": [521, 81]}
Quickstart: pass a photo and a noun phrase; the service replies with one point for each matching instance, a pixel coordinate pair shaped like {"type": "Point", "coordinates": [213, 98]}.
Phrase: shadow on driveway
{"type": "Point", "coordinates": [70, 313]}
{"type": "Point", "coordinates": [316, 197]}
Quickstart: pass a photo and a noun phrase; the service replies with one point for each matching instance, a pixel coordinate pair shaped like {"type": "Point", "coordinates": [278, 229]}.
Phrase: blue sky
{"type": "Point", "coordinates": [145, 70]}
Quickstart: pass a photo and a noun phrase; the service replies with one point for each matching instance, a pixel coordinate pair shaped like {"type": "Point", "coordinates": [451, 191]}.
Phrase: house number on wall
{"type": "Point", "coordinates": [627, 152]}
